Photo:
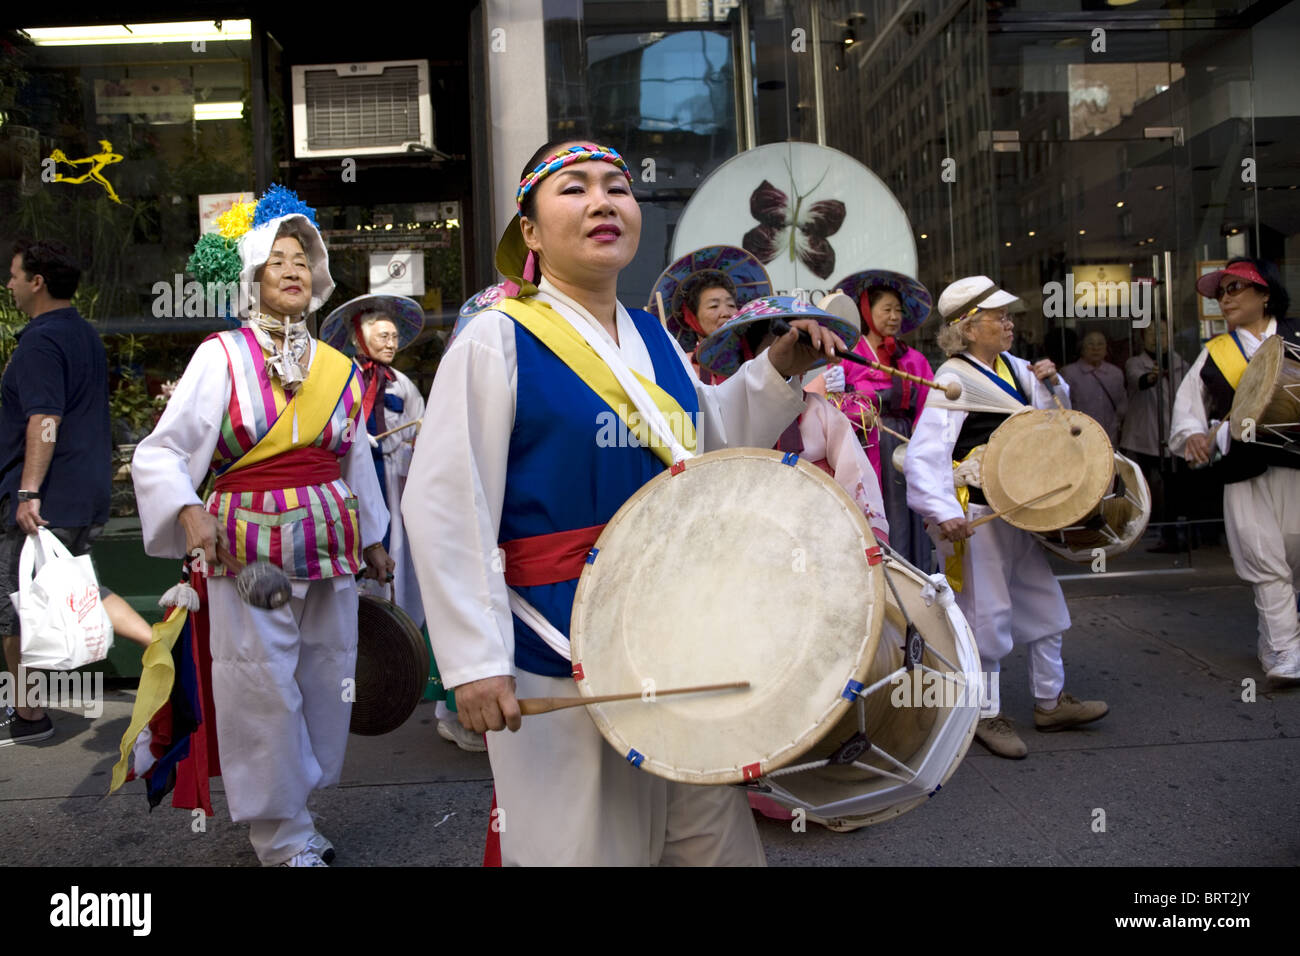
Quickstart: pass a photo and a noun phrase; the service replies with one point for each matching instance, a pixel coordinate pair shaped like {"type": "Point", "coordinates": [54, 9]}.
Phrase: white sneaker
{"type": "Point", "coordinates": [1286, 672]}
{"type": "Point", "coordinates": [321, 846]}
{"type": "Point", "coordinates": [305, 857]}
{"type": "Point", "coordinates": [1267, 656]}
{"type": "Point", "coordinates": [466, 740]}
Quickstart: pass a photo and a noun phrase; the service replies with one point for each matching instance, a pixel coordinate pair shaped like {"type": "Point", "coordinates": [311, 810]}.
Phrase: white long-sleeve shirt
{"type": "Point", "coordinates": [931, 492]}
{"type": "Point", "coordinates": [1189, 416]}
{"type": "Point", "coordinates": [456, 487]}
{"type": "Point", "coordinates": [172, 462]}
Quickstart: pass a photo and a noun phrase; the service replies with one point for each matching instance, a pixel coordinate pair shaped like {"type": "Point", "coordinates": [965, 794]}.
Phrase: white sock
{"type": "Point", "coordinates": [1048, 703]}
{"type": "Point", "coordinates": [443, 712]}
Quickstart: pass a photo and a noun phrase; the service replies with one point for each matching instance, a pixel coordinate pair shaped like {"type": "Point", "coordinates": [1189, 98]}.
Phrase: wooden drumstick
{"type": "Point", "coordinates": [951, 391]}
{"type": "Point", "coordinates": [398, 429]}
{"type": "Point", "coordinates": [1075, 430]}
{"type": "Point", "coordinates": [544, 705]}
{"type": "Point", "coordinates": [877, 423]}
{"type": "Point", "coordinates": [1024, 504]}
{"type": "Point", "coordinates": [663, 316]}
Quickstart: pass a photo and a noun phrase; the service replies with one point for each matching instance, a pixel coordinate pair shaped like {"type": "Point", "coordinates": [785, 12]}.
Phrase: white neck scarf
{"type": "Point", "coordinates": [287, 362]}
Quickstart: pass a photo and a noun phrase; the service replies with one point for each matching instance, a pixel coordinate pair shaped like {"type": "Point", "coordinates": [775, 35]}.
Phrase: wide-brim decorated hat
{"type": "Point", "coordinates": [406, 313]}
{"type": "Point", "coordinates": [676, 283]}
{"type": "Point", "coordinates": [914, 297]}
{"type": "Point", "coordinates": [480, 301]}
{"type": "Point", "coordinates": [723, 352]}
{"type": "Point", "coordinates": [242, 244]}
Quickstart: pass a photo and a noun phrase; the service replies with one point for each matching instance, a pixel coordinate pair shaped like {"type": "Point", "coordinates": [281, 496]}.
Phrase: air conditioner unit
{"type": "Point", "coordinates": [362, 109]}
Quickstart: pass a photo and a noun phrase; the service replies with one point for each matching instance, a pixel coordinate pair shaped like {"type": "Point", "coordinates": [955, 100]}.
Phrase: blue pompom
{"type": "Point", "coordinates": [278, 201]}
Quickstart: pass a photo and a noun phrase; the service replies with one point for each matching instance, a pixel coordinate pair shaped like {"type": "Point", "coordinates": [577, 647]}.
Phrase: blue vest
{"type": "Point", "coordinates": [559, 478]}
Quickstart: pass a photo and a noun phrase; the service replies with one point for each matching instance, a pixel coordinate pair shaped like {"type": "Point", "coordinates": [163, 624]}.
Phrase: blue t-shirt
{"type": "Point", "coordinates": [59, 368]}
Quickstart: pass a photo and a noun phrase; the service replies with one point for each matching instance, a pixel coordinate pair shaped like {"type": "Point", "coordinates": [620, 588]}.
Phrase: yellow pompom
{"type": "Point", "coordinates": [236, 220]}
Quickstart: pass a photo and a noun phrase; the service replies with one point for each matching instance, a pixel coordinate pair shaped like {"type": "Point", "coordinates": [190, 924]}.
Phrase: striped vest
{"type": "Point", "coordinates": [311, 531]}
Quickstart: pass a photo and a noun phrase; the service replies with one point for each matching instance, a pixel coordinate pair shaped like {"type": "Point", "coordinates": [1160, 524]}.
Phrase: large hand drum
{"type": "Point", "coordinates": [1268, 396]}
{"type": "Point", "coordinates": [1034, 452]}
{"type": "Point", "coordinates": [738, 567]}
{"type": "Point", "coordinates": [750, 565]}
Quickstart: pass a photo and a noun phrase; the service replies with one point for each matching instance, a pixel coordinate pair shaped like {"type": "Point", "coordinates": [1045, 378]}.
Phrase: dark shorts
{"type": "Point", "coordinates": [76, 540]}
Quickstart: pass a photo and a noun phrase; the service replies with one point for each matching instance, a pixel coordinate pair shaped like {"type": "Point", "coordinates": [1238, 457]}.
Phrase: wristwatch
{"type": "Point", "coordinates": [28, 495]}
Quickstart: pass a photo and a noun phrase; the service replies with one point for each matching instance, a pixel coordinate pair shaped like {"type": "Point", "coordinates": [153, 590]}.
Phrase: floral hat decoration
{"type": "Point", "coordinates": [735, 341]}
{"type": "Point", "coordinates": [242, 244]}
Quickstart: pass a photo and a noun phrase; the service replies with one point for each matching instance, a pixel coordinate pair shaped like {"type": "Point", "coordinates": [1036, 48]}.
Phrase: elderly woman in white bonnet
{"type": "Point", "coordinates": [274, 415]}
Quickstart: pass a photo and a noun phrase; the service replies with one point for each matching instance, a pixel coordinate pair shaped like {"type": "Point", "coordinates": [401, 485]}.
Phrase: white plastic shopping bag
{"type": "Point", "coordinates": [63, 621]}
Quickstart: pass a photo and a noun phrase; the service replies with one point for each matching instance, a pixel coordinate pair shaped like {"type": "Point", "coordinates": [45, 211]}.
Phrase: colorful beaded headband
{"type": "Point", "coordinates": [567, 157]}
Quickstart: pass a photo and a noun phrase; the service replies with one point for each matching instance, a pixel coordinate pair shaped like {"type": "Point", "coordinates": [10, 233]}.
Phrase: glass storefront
{"type": "Point", "coordinates": [1094, 157]}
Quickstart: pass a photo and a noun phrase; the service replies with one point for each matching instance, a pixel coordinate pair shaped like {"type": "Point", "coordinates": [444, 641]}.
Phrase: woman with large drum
{"type": "Point", "coordinates": [1003, 582]}
{"type": "Point", "coordinates": [534, 447]}
{"type": "Point", "coordinates": [1261, 494]}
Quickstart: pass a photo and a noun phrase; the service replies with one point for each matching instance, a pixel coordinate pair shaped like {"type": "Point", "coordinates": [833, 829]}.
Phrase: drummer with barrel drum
{"type": "Point", "coordinates": [1237, 409]}
{"type": "Point", "coordinates": [1003, 582]}
{"type": "Point", "coordinates": [510, 490]}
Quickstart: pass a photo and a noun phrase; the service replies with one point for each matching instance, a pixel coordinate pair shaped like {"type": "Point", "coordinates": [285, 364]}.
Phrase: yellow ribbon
{"type": "Point", "coordinates": [157, 676]}
{"type": "Point", "coordinates": [573, 350]}
{"type": "Point", "coordinates": [1223, 350]}
{"type": "Point", "coordinates": [952, 564]}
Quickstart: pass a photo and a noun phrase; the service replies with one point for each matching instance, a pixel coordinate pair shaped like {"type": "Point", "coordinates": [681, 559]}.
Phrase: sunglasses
{"type": "Point", "coordinates": [1232, 288]}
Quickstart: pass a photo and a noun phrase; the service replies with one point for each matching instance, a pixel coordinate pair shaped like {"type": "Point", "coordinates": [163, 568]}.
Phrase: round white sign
{"type": "Point", "coordinates": [812, 215]}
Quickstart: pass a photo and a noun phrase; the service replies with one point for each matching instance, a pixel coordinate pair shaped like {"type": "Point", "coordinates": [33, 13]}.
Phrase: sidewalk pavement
{"type": "Point", "coordinates": [1185, 771]}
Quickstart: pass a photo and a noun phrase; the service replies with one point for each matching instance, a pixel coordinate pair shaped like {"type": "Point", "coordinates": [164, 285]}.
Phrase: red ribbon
{"type": "Point", "coordinates": [548, 558]}
{"type": "Point", "coordinates": [293, 469]}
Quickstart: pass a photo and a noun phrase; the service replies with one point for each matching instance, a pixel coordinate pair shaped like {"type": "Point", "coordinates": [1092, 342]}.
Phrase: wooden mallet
{"type": "Point", "coordinates": [529, 706]}
{"type": "Point", "coordinates": [1024, 504]}
{"type": "Point", "coordinates": [951, 391]}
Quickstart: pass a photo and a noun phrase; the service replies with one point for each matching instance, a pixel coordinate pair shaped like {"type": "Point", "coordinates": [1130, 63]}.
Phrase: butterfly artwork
{"type": "Point", "coordinates": [800, 232]}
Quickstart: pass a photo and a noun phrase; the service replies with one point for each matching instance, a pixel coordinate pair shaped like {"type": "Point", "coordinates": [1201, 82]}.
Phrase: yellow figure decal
{"type": "Point", "coordinates": [97, 161]}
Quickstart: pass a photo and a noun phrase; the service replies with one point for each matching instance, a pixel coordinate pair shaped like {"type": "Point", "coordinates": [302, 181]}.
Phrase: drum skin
{"type": "Point", "coordinates": [392, 667]}
{"type": "Point", "coordinates": [1114, 526]}
{"type": "Point", "coordinates": [1269, 396]}
{"type": "Point", "coordinates": [737, 567]}
{"type": "Point", "coordinates": [1033, 452]}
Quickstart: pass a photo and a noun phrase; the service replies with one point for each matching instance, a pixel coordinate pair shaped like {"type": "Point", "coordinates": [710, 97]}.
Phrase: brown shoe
{"type": "Point", "coordinates": [1069, 712]}
{"type": "Point", "coordinates": [1000, 737]}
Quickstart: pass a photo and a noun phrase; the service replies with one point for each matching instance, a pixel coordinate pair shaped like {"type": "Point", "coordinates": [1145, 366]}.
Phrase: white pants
{"type": "Point", "coordinates": [278, 682]}
{"type": "Point", "coordinates": [568, 799]}
{"type": "Point", "coordinates": [1262, 517]}
{"type": "Point", "coordinates": [1009, 597]}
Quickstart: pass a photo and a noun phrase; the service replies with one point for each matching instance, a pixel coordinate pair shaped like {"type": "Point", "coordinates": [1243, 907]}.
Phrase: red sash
{"type": "Point", "coordinates": [548, 558]}
{"type": "Point", "coordinates": [298, 468]}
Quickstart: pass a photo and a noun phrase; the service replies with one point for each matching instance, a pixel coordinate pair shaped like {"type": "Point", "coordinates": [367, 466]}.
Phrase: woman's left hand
{"type": "Point", "coordinates": [791, 357]}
